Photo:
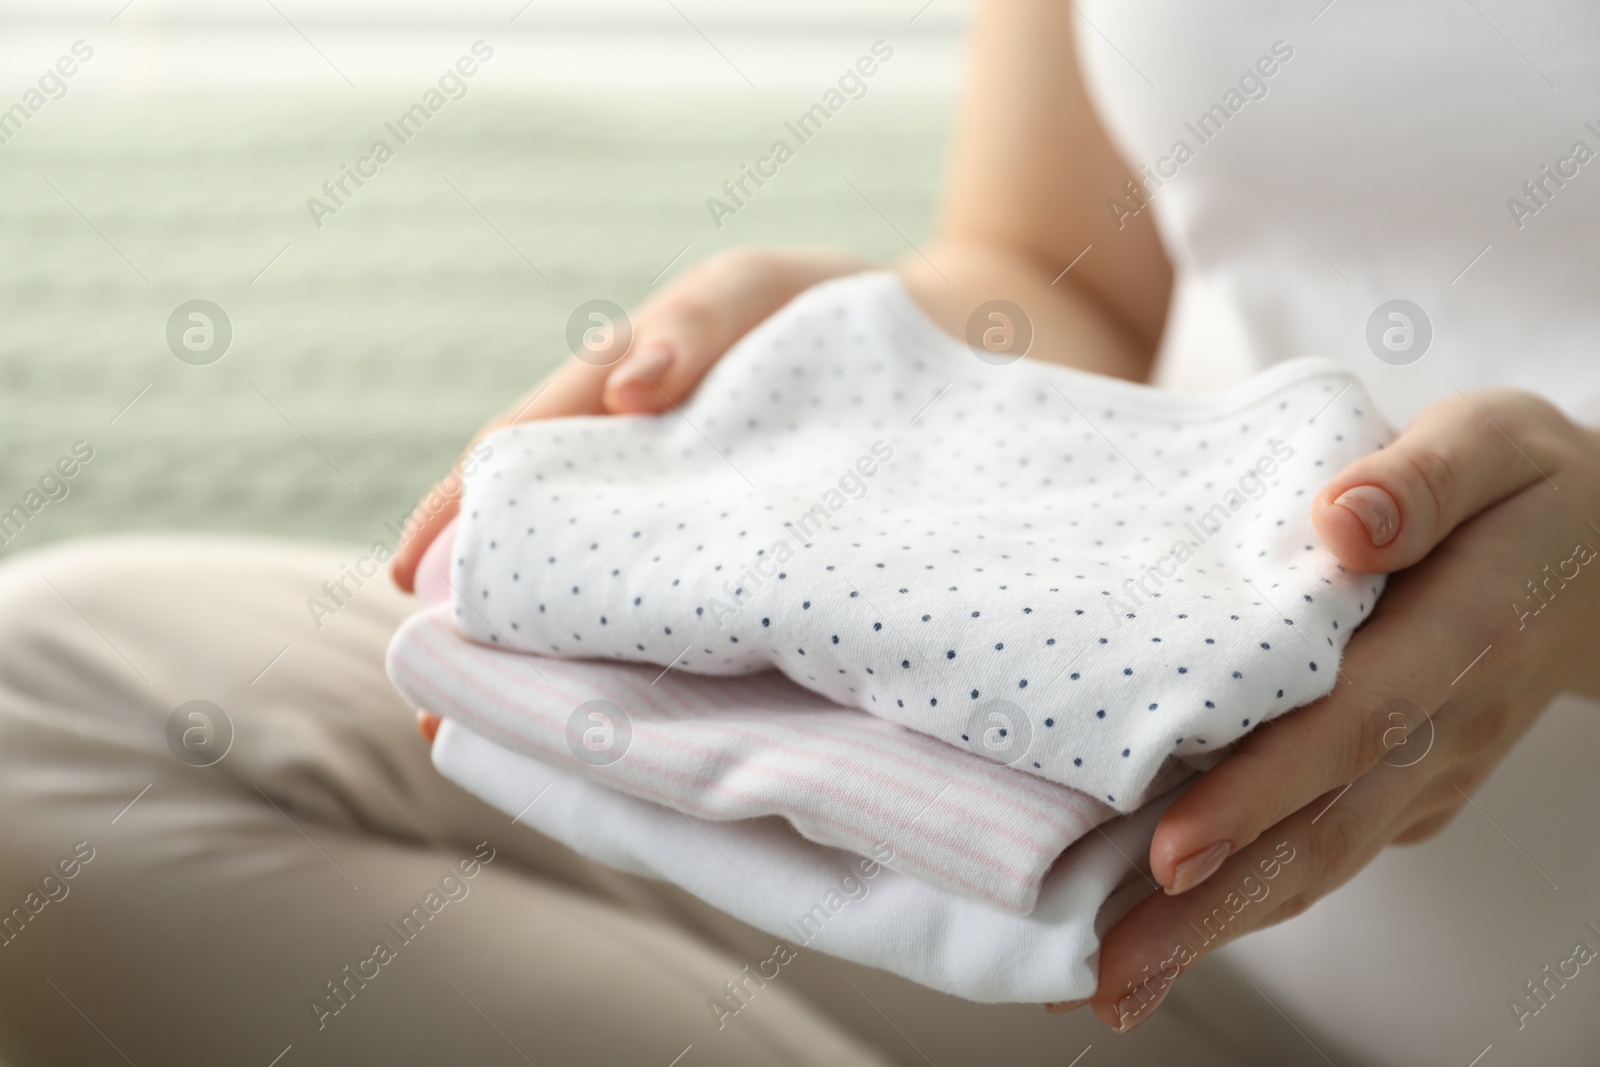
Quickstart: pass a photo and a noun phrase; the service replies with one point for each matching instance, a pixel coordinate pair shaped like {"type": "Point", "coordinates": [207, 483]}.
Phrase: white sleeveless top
{"type": "Point", "coordinates": [1355, 154]}
{"type": "Point", "coordinates": [1384, 157]}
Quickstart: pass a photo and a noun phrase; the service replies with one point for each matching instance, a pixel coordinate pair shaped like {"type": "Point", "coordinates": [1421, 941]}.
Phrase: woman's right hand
{"type": "Point", "coordinates": [677, 335]}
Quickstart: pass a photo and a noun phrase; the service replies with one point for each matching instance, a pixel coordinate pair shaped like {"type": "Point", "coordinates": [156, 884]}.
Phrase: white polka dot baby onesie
{"type": "Point", "coordinates": [1073, 575]}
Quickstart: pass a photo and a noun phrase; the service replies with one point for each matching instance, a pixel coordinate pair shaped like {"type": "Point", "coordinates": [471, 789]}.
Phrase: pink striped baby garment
{"type": "Point", "coordinates": [755, 746]}
{"type": "Point", "coordinates": [814, 898]}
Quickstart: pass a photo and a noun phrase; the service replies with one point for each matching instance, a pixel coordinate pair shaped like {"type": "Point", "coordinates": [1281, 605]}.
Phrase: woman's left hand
{"type": "Point", "coordinates": [1489, 507]}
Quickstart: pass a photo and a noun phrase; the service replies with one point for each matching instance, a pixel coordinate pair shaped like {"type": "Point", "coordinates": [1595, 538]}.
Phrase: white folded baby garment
{"type": "Point", "coordinates": [813, 897]}
{"type": "Point", "coordinates": [1074, 575]}
{"type": "Point", "coordinates": [742, 748]}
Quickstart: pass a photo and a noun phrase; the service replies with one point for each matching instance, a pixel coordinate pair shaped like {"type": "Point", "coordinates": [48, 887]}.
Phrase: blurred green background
{"type": "Point", "coordinates": [365, 356]}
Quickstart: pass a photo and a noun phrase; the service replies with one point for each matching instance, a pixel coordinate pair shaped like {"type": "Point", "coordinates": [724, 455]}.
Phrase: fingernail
{"type": "Point", "coordinates": [428, 725]}
{"type": "Point", "coordinates": [1107, 1014]}
{"type": "Point", "coordinates": [1198, 867]}
{"type": "Point", "coordinates": [1063, 1006]}
{"type": "Point", "coordinates": [1376, 509]}
{"type": "Point", "coordinates": [647, 368]}
{"type": "Point", "coordinates": [1135, 1008]}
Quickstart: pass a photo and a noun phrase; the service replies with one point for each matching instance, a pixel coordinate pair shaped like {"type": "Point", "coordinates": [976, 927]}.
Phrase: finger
{"type": "Point", "coordinates": [428, 725]}
{"type": "Point", "coordinates": [1403, 710]}
{"type": "Point", "coordinates": [1428, 826]}
{"type": "Point", "coordinates": [1442, 799]}
{"type": "Point", "coordinates": [693, 322]}
{"type": "Point", "coordinates": [1379, 701]}
{"type": "Point", "coordinates": [1387, 510]}
{"type": "Point", "coordinates": [1303, 858]}
{"type": "Point", "coordinates": [428, 522]}
{"type": "Point", "coordinates": [573, 388]}
{"type": "Point", "coordinates": [673, 350]}
{"type": "Point", "coordinates": [1061, 1007]}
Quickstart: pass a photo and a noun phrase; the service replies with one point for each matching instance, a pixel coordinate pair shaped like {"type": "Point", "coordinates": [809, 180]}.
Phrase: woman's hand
{"type": "Point", "coordinates": [677, 335]}
{"type": "Point", "coordinates": [1489, 507]}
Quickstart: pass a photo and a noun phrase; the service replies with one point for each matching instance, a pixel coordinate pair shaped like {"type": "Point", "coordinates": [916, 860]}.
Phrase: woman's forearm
{"type": "Point", "coordinates": [1031, 169]}
{"type": "Point", "coordinates": [1032, 166]}
{"type": "Point", "coordinates": [1069, 326]}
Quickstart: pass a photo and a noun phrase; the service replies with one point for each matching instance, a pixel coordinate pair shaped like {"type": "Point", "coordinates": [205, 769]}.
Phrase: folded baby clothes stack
{"type": "Point", "coordinates": [946, 615]}
{"type": "Point", "coordinates": [743, 748]}
{"type": "Point", "coordinates": [816, 898]}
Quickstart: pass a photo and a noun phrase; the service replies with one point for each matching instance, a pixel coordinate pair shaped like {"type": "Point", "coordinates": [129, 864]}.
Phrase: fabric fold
{"type": "Point", "coordinates": [1079, 577]}
{"type": "Point", "coordinates": [811, 897]}
{"type": "Point", "coordinates": [722, 749]}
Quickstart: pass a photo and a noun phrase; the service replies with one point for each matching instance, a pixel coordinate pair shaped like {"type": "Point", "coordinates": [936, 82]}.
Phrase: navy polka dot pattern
{"type": "Point", "coordinates": [851, 497]}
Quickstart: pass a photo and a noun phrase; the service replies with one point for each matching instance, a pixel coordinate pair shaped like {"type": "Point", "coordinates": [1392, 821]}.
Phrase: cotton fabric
{"type": "Point", "coordinates": [1427, 152]}
{"type": "Point", "coordinates": [762, 872]}
{"type": "Point", "coordinates": [1078, 577]}
{"type": "Point", "coordinates": [1390, 156]}
{"type": "Point", "coordinates": [206, 901]}
{"type": "Point", "coordinates": [744, 748]}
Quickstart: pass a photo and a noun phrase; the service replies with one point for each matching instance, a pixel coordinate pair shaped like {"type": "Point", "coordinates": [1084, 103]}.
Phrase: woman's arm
{"type": "Point", "coordinates": [677, 335]}
{"type": "Point", "coordinates": [1031, 170]}
{"type": "Point", "coordinates": [1030, 173]}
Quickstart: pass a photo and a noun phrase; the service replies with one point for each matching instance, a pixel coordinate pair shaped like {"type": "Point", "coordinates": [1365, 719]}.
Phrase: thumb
{"type": "Point", "coordinates": [1387, 510]}
{"type": "Point", "coordinates": [573, 388]}
{"type": "Point", "coordinates": [673, 350]}
{"type": "Point", "coordinates": [693, 322]}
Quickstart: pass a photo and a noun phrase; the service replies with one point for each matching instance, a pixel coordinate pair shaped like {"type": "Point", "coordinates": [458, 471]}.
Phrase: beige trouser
{"type": "Point", "coordinates": [227, 910]}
